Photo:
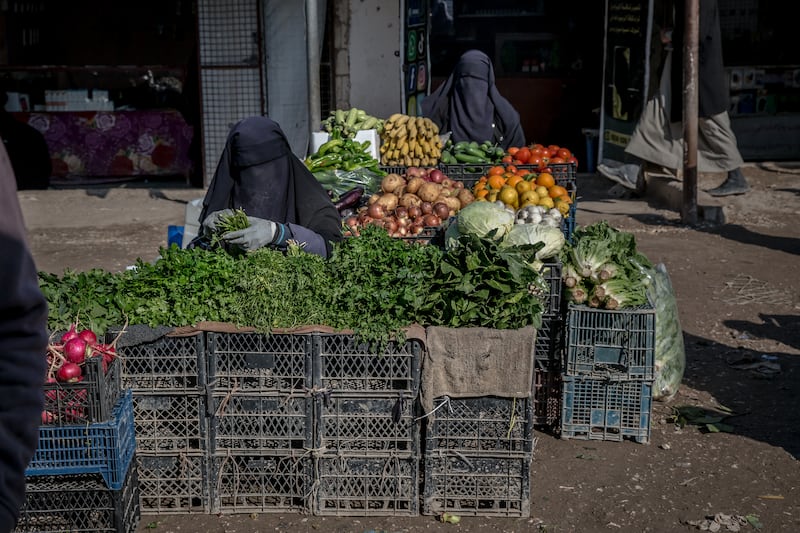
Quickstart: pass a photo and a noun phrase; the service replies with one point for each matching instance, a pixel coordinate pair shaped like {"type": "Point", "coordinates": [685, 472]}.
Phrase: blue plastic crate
{"type": "Point", "coordinates": [104, 448]}
{"type": "Point", "coordinates": [612, 344]}
{"type": "Point", "coordinates": [600, 409]}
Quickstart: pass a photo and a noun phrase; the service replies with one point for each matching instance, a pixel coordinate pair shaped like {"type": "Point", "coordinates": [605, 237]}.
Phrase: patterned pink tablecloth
{"type": "Point", "coordinates": [115, 143]}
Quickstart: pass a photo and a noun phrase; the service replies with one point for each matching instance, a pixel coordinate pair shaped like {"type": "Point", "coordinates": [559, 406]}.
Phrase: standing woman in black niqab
{"type": "Point", "coordinates": [469, 105]}
{"type": "Point", "coordinates": [283, 200]}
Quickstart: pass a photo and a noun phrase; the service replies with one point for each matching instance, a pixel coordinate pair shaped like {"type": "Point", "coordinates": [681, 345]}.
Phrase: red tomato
{"type": "Point", "coordinates": [523, 154]}
{"type": "Point", "coordinates": [507, 160]}
{"type": "Point", "coordinates": [564, 154]}
{"type": "Point", "coordinates": [556, 160]}
{"type": "Point", "coordinates": [535, 160]}
{"type": "Point", "coordinates": [554, 147]}
{"type": "Point", "coordinates": [573, 160]}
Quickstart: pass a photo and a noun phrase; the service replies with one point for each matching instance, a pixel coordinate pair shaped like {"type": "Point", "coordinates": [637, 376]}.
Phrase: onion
{"type": "Point", "coordinates": [436, 175]}
{"type": "Point", "coordinates": [391, 224]}
{"type": "Point", "coordinates": [89, 336]}
{"type": "Point", "coordinates": [351, 222]}
{"type": "Point", "coordinates": [75, 350]}
{"type": "Point", "coordinates": [427, 208]}
{"type": "Point", "coordinates": [69, 372]}
{"type": "Point", "coordinates": [401, 212]}
{"type": "Point", "coordinates": [441, 210]}
{"type": "Point", "coordinates": [376, 210]}
{"type": "Point", "coordinates": [415, 210]}
{"type": "Point", "coordinates": [432, 220]}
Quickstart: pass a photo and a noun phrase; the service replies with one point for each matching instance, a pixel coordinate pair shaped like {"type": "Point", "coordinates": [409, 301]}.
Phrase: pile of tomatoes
{"type": "Point", "coordinates": [539, 155]}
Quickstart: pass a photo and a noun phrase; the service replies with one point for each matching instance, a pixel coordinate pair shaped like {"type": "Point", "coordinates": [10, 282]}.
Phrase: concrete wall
{"type": "Point", "coordinates": [372, 55]}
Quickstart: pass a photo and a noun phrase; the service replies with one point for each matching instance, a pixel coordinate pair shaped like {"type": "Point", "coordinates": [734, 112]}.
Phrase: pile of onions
{"type": "Point", "coordinates": [66, 360]}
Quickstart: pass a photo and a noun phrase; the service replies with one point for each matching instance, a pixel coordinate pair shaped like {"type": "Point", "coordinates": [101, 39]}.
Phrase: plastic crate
{"type": "Point", "coordinates": [551, 272]}
{"type": "Point", "coordinates": [429, 235]}
{"type": "Point", "coordinates": [165, 365]}
{"type": "Point", "coordinates": [599, 409]}
{"type": "Point", "coordinates": [174, 484]}
{"type": "Point", "coordinates": [547, 372]}
{"type": "Point", "coordinates": [615, 344]}
{"type": "Point", "coordinates": [366, 425]}
{"type": "Point", "coordinates": [260, 483]}
{"type": "Point", "coordinates": [565, 174]}
{"type": "Point", "coordinates": [568, 223]}
{"type": "Point", "coordinates": [170, 423]}
{"type": "Point", "coordinates": [79, 503]}
{"type": "Point", "coordinates": [260, 423]}
{"type": "Point", "coordinates": [401, 170]}
{"type": "Point", "coordinates": [345, 365]}
{"type": "Point", "coordinates": [104, 448]}
{"type": "Point", "coordinates": [90, 400]}
{"type": "Point", "coordinates": [482, 485]}
{"type": "Point", "coordinates": [255, 362]}
{"type": "Point", "coordinates": [375, 485]}
{"type": "Point", "coordinates": [487, 424]}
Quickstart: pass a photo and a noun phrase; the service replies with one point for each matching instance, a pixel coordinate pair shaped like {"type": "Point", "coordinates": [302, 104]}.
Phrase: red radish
{"type": "Point", "coordinates": [69, 372]}
{"type": "Point", "coordinates": [75, 350]}
{"type": "Point", "coordinates": [89, 336]}
{"type": "Point", "coordinates": [69, 335]}
{"type": "Point", "coordinates": [436, 175]}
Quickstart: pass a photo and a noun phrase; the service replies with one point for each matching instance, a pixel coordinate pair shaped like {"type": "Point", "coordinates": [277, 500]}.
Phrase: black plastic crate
{"type": "Point", "coordinates": [255, 362]}
{"type": "Point", "coordinates": [367, 485]}
{"type": "Point", "coordinates": [477, 485]}
{"type": "Point", "coordinates": [105, 448]}
{"type": "Point", "coordinates": [488, 424]}
{"type": "Point", "coordinates": [600, 409]}
{"type": "Point", "coordinates": [261, 483]}
{"type": "Point", "coordinates": [343, 364]}
{"type": "Point", "coordinates": [88, 401]}
{"type": "Point", "coordinates": [174, 484]}
{"type": "Point", "coordinates": [549, 346]}
{"type": "Point", "coordinates": [277, 423]}
{"type": "Point", "coordinates": [156, 363]}
{"type": "Point", "coordinates": [79, 503]}
{"type": "Point", "coordinates": [615, 344]}
{"type": "Point", "coordinates": [565, 174]}
{"type": "Point", "coordinates": [401, 170]}
{"type": "Point", "coordinates": [170, 423]}
{"type": "Point", "coordinates": [551, 272]}
{"type": "Point", "coordinates": [366, 424]}
{"type": "Point", "coordinates": [547, 394]}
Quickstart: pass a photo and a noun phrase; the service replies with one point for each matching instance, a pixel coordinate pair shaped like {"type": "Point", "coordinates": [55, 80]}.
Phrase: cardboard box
{"type": "Point", "coordinates": [318, 138]}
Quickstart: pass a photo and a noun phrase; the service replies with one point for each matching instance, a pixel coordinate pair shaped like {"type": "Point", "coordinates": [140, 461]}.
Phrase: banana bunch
{"type": "Point", "coordinates": [348, 122]}
{"type": "Point", "coordinates": [410, 141]}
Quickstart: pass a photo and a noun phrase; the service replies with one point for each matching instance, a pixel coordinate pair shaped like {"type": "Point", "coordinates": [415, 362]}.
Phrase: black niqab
{"type": "Point", "coordinates": [468, 104]}
{"type": "Point", "coordinates": [259, 173]}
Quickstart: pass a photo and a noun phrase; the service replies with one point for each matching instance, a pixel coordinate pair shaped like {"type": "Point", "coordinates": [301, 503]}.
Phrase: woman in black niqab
{"type": "Point", "coordinates": [258, 173]}
{"type": "Point", "coordinates": [469, 105]}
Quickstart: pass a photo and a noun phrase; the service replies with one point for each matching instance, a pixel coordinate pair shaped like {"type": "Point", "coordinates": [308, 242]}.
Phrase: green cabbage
{"type": "Point", "coordinates": [485, 219]}
{"type": "Point", "coordinates": [553, 238]}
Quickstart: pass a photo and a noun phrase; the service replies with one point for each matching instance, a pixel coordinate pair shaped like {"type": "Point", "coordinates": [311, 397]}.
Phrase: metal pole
{"type": "Point", "coordinates": [313, 53]}
{"type": "Point", "coordinates": [690, 58]}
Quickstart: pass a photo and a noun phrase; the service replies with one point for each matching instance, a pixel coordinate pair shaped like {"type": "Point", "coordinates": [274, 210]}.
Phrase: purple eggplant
{"type": "Point", "coordinates": [349, 199]}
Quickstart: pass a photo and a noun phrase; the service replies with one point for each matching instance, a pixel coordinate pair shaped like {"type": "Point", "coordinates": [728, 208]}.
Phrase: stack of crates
{"type": "Point", "coordinates": [549, 351]}
{"type": "Point", "coordinates": [478, 454]}
{"type": "Point", "coordinates": [366, 446]}
{"type": "Point", "coordinates": [261, 408]}
{"type": "Point", "coordinates": [82, 476]}
{"type": "Point", "coordinates": [167, 378]}
{"type": "Point", "coordinates": [608, 374]}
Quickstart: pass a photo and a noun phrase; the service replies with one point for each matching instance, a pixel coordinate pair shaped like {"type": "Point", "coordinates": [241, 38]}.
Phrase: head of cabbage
{"type": "Point", "coordinates": [483, 218]}
{"type": "Point", "coordinates": [553, 238]}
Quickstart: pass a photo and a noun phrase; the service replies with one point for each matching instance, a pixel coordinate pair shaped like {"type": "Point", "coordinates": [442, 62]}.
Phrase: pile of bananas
{"type": "Point", "coordinates": [410, 141]}
{"type": "Point", "coordinates": [348, 122]}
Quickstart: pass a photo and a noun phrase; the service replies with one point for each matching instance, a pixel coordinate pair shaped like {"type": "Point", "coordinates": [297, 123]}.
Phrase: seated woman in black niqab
{"type": "Point", "coordinates": [469, 105]}
{"type": "Point", "coordinates": [282, 199]}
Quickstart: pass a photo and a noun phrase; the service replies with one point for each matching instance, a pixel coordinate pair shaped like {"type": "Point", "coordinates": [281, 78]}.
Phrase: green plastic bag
{"type": "Point", "coordinates": [670, 352]}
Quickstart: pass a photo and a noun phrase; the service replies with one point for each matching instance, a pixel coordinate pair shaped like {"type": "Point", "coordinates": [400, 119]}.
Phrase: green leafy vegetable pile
{"type": "Point", "coordinates": [602, 268]}
{"type": "Point", "coordinates": [373, 284]}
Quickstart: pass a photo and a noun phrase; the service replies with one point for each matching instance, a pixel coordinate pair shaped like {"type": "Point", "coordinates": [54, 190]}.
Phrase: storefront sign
{"type": "Point", "coordinates": [416, 63]}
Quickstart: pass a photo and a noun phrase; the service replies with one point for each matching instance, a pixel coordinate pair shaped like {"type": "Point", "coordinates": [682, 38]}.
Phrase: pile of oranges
{"type": "Point", "coordinates": [518, 188]}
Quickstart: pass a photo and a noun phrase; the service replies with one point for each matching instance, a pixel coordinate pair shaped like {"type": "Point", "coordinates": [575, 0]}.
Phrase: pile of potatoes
{"type": "Point", "coordinates": [408, 204]}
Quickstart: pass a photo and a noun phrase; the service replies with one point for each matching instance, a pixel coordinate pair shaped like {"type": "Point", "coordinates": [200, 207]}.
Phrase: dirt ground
{"type": "Point", "coordinates": [738, 300]}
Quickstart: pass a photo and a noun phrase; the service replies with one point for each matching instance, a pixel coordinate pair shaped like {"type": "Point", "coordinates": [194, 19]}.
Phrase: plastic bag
{"type": "Point", "coordinates": [341, 181]}
{"type": "Point", "coordinates": [670, 353]}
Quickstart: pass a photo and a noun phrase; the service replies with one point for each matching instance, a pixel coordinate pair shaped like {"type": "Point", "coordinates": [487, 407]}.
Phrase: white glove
{"type": "Point", "coordinates": [260, 233]}
{"type": "Point", "coordinates": [209, 224]}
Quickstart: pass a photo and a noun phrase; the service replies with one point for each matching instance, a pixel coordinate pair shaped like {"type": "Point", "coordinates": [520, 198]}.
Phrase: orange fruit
{"type": "Point", "coordinates": [565, 198]}
{"type": "Point", "coordinates": [512, 180]}
{"type": "Point", "coordinates": [496, 181]}
{"type": "Point", "coordinates": [545, 179]}
{"type": "Point", "coordinates": [481, 193]}
{"type": "Point", "coordinates": [556, 190]}
{"type": "Point", "coordinates": [511, 169]}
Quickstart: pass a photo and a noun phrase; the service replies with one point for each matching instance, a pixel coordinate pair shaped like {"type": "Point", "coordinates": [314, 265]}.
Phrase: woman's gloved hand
{"type": "Point", "coordinates": [209, 224]}
{"type": "Point", "coordinates": [260, 233]}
